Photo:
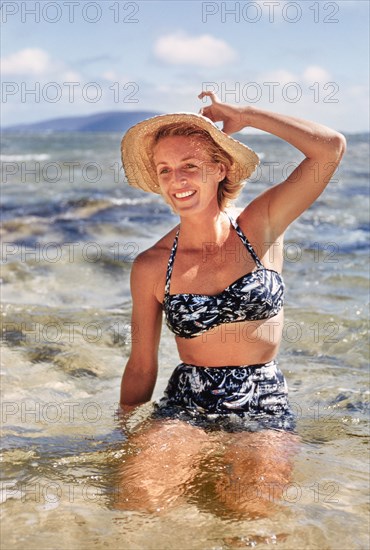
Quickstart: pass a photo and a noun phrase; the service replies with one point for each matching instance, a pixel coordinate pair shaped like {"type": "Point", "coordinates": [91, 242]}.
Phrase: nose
{"type": "Point", "coordinates": [179, 179]}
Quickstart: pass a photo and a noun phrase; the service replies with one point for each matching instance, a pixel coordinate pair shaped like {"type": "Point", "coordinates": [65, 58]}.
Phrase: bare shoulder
{"type": "Point", "coordinates": [254, 218]}
{"type": "Point", "coordinates": [152, 257]}
{"type": "Point", "coordinates": [150, 266]}
{"type": "Point", "coordinates": [254, 221]}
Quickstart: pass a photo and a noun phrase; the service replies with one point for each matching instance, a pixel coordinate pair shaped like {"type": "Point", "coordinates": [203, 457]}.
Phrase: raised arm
{"type": "Point", "coordinates": [322, 147]}
{"type": "Point", "coordinates": [140, 374]}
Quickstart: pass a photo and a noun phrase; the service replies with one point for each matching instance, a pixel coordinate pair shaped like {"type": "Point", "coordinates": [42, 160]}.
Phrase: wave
{"type": "Point", "coordinates": [19, 158]}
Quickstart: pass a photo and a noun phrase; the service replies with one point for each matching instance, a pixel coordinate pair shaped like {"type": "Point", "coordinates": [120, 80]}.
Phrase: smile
{"type": "Point", "coordinates": [184, 194]}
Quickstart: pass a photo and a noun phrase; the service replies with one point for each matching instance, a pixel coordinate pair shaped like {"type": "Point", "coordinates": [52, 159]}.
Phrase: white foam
{"type": "Point", "coordinates": [19, 158]}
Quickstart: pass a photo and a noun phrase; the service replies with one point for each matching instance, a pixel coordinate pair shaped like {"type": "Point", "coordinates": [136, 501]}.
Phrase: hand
{"type": "Point", "coordinates": [231, 116]}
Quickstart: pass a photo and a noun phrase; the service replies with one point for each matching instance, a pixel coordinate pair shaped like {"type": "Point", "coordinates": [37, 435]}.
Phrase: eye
{"type": "Point", "coordinates": [163, 171]}
{"type": "Point", "coordinates": [190, 166]}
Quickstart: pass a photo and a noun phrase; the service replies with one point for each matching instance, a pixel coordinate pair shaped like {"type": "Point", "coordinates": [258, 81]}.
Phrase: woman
{"type": "Point", "coordinates": [217, 278]}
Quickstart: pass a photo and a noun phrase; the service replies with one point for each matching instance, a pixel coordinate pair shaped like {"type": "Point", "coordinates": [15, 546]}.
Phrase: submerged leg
{"type": "Point", "coordinates": [164, 460]}
{"type": "Point", "coordinates": [257, 470]}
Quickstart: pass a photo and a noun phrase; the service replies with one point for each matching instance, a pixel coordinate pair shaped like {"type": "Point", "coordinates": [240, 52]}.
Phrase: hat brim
{"type": "Point", "coordinates": [137, 144]}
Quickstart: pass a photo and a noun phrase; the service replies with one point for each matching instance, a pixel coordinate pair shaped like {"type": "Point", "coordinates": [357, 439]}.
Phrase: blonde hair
{"type": "Point", "coordinates": [227, 190]}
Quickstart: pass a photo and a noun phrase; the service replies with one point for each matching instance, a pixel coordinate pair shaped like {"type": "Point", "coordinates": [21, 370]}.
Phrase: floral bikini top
{"type": "Point", "coordinates": [255, 296]}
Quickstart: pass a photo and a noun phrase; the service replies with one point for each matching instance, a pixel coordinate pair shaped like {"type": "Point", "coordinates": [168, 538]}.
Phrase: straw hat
{"type": "Point", "coordinates": [137, 147]}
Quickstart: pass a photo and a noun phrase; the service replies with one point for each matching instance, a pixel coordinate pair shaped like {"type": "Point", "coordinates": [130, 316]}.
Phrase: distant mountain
{"type": "Point", "coordinates": [116, 121]}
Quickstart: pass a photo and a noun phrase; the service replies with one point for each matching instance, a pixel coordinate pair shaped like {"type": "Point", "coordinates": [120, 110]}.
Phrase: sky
{"type": "Point", "coordinates": [69, 58]}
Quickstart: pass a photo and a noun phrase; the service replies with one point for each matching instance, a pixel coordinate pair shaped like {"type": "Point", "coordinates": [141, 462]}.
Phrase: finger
{"type": "Point", "coordinates": [212, 95]}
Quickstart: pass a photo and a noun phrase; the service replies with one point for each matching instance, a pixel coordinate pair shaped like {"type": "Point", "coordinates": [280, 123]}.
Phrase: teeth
{"type": "Point", "coordinates": [184, 194]}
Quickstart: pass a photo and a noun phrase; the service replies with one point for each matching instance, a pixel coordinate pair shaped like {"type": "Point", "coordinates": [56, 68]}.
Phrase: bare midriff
{"type": "Point", "coordinates": [233, 344]}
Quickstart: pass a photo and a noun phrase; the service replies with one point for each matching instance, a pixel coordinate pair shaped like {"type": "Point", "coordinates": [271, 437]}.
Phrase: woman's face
{"type": "Point", "coordinates": [187, 176]}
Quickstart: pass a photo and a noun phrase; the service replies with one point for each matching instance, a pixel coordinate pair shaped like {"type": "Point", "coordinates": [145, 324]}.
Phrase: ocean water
{"type": "Point", "coordinates": [71, 229]}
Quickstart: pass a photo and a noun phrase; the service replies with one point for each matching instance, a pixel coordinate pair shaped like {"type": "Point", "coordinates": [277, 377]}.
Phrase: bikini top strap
{"type": "Point", "coordinates": [170, 264]}
{"type": "Point", "coordinates": [171, 259]}
{"type": "Point", "coordinates": [245, 241]}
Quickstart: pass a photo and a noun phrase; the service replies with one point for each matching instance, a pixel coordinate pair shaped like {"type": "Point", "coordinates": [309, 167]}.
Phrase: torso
{"type": "Point", "coordinates": [243, 342]}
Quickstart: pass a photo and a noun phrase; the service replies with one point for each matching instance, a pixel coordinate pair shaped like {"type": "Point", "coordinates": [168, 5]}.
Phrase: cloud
{"type": "Point", "coordinates": [96, 59]}
{"type": "Point", "coordinates": [314, 73]}
{"type": "Point", "coordinates": [37, 62]}
{"type": "Point", "coordinates": [204, 50]}
{"type": "Point", "coordinates": [310, 75]}
{"type": "Point", "coordinates": [30, 61]}
{"type": "Point", "coordinates": [353, 4]}
{"type": "Point", "coordinates": [282, 76]}
{"type": "Point", "coordinates": [71, 76]}
{"type": "Point", "coordinates": [110, 75]}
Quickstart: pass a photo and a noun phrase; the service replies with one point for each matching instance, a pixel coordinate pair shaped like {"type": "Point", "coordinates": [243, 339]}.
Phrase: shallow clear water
{"type": "Point", "coordinates": [71, 229]}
